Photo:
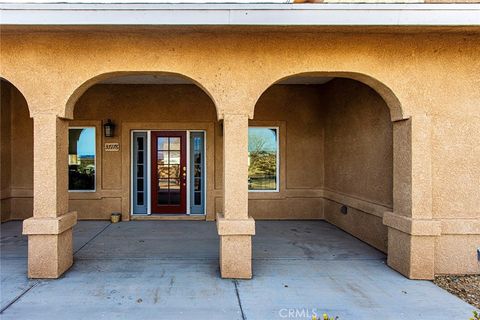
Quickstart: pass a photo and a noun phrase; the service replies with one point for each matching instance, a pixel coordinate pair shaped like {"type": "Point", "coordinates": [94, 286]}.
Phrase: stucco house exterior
{"type": "Point", "coordinates": [363, 115]}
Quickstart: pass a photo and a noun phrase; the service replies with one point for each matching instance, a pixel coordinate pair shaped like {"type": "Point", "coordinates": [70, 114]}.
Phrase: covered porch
{"type": "Point", "coordinates": [169, 270]}
{"type": "Point", "coordinates": [367, 133]}
{"type": "Point", "coordinates": [318, 147]}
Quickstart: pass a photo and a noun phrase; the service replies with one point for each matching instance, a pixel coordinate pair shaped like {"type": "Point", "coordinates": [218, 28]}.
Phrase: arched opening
{"type": "Point", "coordinates": [16, 154]}
{"type": "Point", "coordinates": [133, 78]}
{"type": "Point", "coordinates": [153, 166]}
{"type": "Point", "coordinates": [335, 167]}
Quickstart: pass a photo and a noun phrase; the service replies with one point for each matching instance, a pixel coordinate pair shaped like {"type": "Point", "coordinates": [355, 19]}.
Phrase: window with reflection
{"type": "Point", "coordinates": [81, 159]}
{"type": "Point", "coordinates": [262, 159]}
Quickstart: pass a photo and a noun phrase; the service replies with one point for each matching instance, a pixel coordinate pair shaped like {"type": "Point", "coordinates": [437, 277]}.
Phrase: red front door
{"type": "Point", "coordinates": [169, 172]}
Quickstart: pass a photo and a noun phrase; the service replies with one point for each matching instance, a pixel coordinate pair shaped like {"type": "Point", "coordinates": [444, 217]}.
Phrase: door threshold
{"type": "Point", "coordinates": [168, 217]}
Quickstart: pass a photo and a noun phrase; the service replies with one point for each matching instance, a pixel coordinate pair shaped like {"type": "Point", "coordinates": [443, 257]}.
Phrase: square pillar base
{"type": "Point", "coordinates": [236, 256]}
{"type": "Point", "coordinates": [50, 248]}
{"type": "Point", "coordinates": [49, 255]}
{"type": "Point", "coordinates": [411, 245]}
{"type": "Point", "coordinates": [235, 247]}
{"type": "Point", "coordinates": [412, 256]}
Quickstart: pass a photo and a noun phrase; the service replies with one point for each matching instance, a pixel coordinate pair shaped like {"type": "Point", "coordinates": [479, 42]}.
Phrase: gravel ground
{"type": "Point", "coordinates": [465, 287]}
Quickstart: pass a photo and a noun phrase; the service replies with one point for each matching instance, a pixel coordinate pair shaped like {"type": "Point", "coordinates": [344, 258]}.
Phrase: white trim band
{"type": "Point", "coordinates": [240, 14]}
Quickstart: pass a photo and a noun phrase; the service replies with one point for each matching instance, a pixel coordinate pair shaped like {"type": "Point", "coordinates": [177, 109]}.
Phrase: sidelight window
{"type": "Point", "coordinates": [197, 172]}
{"type": "Point", "coordinates": [140, 158]}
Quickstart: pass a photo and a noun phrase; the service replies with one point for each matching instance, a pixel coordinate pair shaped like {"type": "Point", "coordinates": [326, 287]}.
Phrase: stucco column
{"type": "Point", "coordinates": [411, 230]}
{"type": "Point", "coordinates": [234, 226]}
{"type": "Point", "coordinates": [49, 231]}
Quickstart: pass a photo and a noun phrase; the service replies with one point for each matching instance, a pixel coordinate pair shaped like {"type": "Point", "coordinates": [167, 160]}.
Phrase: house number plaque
{"type": "Point", "coordinates": [112, 146]}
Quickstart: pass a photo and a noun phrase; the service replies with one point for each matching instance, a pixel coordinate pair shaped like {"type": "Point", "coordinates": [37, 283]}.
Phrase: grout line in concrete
{"type": "Point", "coordinates": [19, 296]}
{"type": "Point", "coordinates": [215, 259]}
{"type": "Point", "coordinates": [148, 258]}
{"type": "Point", "coordinates": [235, 283]}
{"type": "Point", "coordinates": [318, 259]}
{"type": "Point", "coordinates": [93, 238]}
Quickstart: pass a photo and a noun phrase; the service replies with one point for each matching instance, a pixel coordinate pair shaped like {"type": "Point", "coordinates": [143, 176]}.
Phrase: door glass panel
{"type": "Point", "coordinates": [197, 171]}
{"type": "Point", "coordinates": [174, 184]}
{"type": "Point", "coordinates": [162, 198]}
{"type": "Point", "coordinates": [162, 157]}
{"type": "Point", "coordinates": [174, 157]}
{"type": "Point", "coordinates": [162, 143]}
{"type": "Point", "coordinates": [139, 143]}
{"type": "Point", "coordinates": [175, 143]}
{"type": "Point", "coordinates": [163, 184]}
{"type": "Point", "coordinates": [140, 198]}
{"type": "Point", "coordinates": [163, 172]}
{"type": "Point", "coordinates": [140, 171]}
{"type": "Point", "coordinates": [140, 184]}
{"type": "Point", "coordinates": [175, 171]}
{"type": "Point", "coordinates": [174, 197]}
{"type": "Point", "coordinates": [197, 158]}
{"type": "Point", "coordinates": [140, 157]}
{"type": "Point", "coordinates": [198, 198]}
{"type": "Point", "coordinates": [197, 143]}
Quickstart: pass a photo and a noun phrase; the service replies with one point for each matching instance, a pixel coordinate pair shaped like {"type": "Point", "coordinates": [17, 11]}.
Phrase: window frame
{"type": "Point", "coordinates": [277, 157]}
{"type": "Point", "coordinates": [95, 160]}
{"type": "Point", "coordinates": [189, 176]}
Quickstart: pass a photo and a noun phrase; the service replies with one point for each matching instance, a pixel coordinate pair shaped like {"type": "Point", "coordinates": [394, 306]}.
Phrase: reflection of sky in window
{"type": "Point", "coordinates": [86, 142]}
{"type": "Point", "coordinates": [268, 135]}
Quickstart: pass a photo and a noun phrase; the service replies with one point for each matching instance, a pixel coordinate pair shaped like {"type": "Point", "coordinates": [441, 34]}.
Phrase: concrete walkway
{"type": "Point", "coordinates": [169, 270]}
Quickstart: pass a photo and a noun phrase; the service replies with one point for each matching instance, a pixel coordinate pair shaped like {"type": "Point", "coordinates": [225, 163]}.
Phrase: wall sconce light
{"type": "Point", "coordinates": [109, 129]}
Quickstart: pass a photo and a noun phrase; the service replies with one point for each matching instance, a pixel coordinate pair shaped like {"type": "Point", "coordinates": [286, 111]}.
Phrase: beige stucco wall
{"type": "Point", "coordinates": [358, 159]}
{"type": "Point", "coordinates": [431, 79]}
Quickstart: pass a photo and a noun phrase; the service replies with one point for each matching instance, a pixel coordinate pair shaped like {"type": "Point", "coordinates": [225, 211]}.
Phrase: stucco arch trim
{"type": "Point", "coordinates": [22, 92]}
{"type": "Point", "coordinates": [83, 87]}
{"type": "Point", "coordinates": [396, 111]}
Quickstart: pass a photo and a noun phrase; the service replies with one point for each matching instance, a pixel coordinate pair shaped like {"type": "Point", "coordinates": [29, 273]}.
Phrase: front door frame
{"type": "Point", "coordinates": [181, 207]}
{"type": "Point", "coordinates": [132, 128]}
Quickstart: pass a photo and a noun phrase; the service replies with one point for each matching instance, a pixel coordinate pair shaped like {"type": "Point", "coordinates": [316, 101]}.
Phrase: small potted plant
{"type": "Point", "coordinates": [116, 217]}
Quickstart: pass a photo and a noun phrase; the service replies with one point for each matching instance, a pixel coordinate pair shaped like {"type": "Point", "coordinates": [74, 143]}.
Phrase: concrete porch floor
{"type": "Point", "coordinates": [169, 270]}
